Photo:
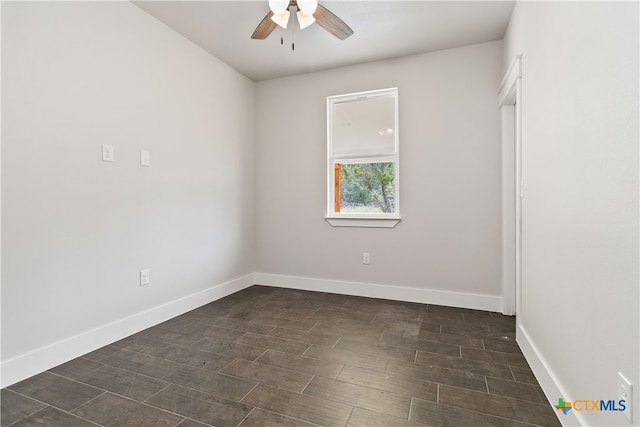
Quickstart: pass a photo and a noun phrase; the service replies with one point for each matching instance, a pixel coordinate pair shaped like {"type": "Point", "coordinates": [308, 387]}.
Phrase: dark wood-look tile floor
{"type": "Point", "coordinates": [281, 357]}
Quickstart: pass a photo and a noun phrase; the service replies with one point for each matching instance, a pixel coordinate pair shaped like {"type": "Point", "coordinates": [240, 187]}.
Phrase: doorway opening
{"type": "Point", "coordinates": [509, 102]}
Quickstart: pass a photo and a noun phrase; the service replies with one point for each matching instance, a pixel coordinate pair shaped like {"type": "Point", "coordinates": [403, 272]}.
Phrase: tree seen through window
{"type": "Point", "coordinates": [367, 187]}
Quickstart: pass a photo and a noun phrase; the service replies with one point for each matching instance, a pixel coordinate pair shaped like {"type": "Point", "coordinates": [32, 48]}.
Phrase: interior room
{"type": "Point", "coordinates": [172, 247]}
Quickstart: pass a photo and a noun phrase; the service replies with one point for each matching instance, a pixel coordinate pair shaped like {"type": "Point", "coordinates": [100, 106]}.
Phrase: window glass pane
{"type": "Point", "coordinates": [367, 188]}
{"type": "Point", "coordinates": [364, 127]}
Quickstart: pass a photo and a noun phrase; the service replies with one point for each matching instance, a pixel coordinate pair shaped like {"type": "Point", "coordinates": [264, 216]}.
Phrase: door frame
{"type": "Point", "coordinates": [510, 104]}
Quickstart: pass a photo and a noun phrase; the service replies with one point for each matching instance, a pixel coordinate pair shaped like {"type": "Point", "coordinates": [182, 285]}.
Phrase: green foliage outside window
{"type": "Point", "coordinates": [367, 188]}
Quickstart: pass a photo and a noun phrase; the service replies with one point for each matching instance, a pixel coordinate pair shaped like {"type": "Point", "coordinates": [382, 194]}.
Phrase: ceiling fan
{"type": "Point", "coordinates": [308, 12]}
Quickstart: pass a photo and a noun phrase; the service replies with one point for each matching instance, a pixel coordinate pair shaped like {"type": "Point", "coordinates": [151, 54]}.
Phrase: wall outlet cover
{"type": "Point", "coordinates": [145, 158]}
{"type": "Point", "coordinates": [145, 277]}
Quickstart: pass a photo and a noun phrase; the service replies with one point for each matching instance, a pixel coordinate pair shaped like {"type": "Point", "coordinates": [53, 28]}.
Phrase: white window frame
{"type": "Point", "coordinates": [350, 219]}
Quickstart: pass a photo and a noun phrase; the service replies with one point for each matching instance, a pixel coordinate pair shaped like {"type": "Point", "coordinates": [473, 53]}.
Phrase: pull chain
{"type": "Point", "coordinates": [293, 35]}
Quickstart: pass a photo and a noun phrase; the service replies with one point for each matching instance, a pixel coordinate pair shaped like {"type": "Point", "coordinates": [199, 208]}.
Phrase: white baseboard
{"type": "Point", "coordinates": [36, 361]}
{"type": "Point", "coordinates": [26, 365]}
{"type": "Point", "coordinates": [545, 376]}
{"type": "Point", "coordinates": [399, 293]}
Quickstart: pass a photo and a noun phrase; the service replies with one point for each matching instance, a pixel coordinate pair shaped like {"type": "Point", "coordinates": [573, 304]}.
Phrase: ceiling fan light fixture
{"type": "Point", "coordinates": [307, 7]}
{"type": "Point", "coordinates": [385, 132]}
{"type": "Point", "coordinates": [281, 19]}
{"type": "Point", "coordinates": [304, 20]}
{"type": "Point", "coordinates": [278, 6]}
{"type": "Point", "coordinates": [307, 12]}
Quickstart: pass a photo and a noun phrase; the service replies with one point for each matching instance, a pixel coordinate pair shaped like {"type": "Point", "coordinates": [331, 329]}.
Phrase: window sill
{"type": "Point", "coordinates": [388, 222]}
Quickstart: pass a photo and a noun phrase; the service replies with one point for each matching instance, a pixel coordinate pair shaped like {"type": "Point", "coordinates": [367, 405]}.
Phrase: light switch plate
{"type": "Point", "coordinates": [107, 153]}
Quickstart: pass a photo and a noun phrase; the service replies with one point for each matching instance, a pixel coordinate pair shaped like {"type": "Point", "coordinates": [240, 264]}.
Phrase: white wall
{"type": "Point", "coordinates": [76, 230]}
{"type": "Point", "coordinates": [450, 236]}
{"type": "Point", "coordinates": [579, 322]}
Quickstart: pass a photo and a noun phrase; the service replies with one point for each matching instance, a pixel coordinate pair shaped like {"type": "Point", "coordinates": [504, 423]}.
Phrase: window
{"type": "Point", "coordinates": [363, 159]}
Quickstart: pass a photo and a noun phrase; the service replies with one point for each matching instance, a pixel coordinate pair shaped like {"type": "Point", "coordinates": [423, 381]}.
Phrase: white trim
{"type": "Point", "coordinates": [363, 222]}
{"type": "Point", "coordinates": [506, 90]}
{"type": "Point", "coordinates": [510, 94]}
{"type": "Point", "coordinates": [355, 159]}
{"type": "Point", "coordinates": [398, 293]}
{"type": "Point", "coordinates": [389, 158]}
{"type": "Point", "coordinates": [548, 380]}
{"type": "Point", "coordinates": [34, 362]}
{"type": "Point", "coordinates": [507, 113]}
{"type": "Point", "coordinates": [39, 360]}
{"type": "Point", "coordinates": [346, 97]}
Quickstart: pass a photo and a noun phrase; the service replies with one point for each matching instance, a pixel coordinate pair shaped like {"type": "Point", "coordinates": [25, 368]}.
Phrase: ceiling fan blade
{"type": "Point", "coordinates": [330, 22]}
{"type": "Point", "coordinates": [264, 28]}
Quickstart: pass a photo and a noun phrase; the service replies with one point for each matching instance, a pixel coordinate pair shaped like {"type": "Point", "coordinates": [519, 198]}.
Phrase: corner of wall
{"type": "Point", "coordinates": [39, 360]}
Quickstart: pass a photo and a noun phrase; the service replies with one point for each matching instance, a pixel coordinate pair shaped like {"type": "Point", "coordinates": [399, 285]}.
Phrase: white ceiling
{"type": "Point", "coordinates": [382, 30]}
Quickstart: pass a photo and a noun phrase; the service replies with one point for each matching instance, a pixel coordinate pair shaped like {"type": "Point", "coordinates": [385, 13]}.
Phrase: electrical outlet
{"type": "Point", "coordinates": [366, 258]}
{"type": "Point", "coordinates": [625, 392]}
{"type": "Point", "coordinates": [145, 158]}
{"type": "Point", "coordinates": [144, 277]}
